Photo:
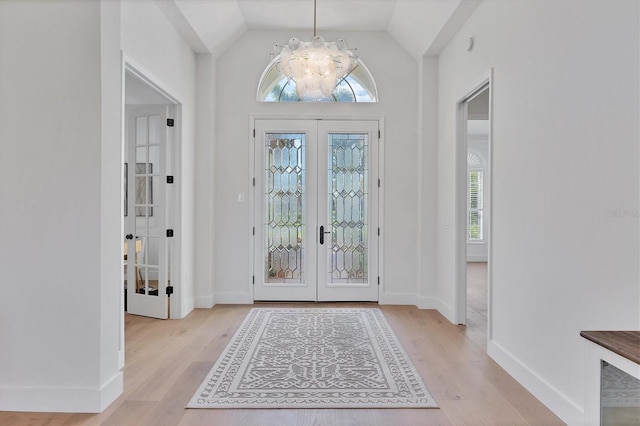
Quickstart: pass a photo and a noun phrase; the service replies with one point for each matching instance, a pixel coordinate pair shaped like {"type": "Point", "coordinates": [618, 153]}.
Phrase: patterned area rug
{"type": "Point", "coordinates": [313, 358]}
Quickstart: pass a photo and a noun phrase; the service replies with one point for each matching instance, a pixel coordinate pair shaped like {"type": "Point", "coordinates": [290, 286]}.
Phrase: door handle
{"type": "Point", "coordinates": [322, 232]}
{"type": "Point", "coordinates": [129, 236]}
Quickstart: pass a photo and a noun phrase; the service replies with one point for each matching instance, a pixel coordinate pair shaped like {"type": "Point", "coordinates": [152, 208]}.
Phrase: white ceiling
{"type": "Point", "coordinates": [420, 26]}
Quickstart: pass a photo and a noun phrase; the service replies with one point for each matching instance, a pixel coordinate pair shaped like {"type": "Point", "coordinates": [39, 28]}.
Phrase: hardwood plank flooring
{"type": "Point", "coordinates": [167, 360]}
{"type": "Point", "coordinates": [477, 303]}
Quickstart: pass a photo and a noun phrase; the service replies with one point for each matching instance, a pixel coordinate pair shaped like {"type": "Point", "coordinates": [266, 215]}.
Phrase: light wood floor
{"type": "Point", "coordinates": [476, 328]}
{"type": "Point", "coordinates": [167, 360]}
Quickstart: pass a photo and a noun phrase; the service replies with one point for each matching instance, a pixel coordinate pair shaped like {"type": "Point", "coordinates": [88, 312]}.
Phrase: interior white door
{"type": "Point", "coordinates": [316, 210]}
{"type": "Point", "coordinates": [146, 211]}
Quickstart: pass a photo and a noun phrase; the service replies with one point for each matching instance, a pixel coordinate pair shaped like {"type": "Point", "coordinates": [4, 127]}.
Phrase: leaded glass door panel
{"type": "Point", "coordinates": [316, 204]}
{"type": "Point", "coordinates": [348, 210]}
{"type": "Point", "coordinates": [285, 249]}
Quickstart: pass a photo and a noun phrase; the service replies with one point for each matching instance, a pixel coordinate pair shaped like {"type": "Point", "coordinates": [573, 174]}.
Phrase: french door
{"type": "Point", "coordinates": [316, 210]}
{"type": "Point", "coordinates": [147, 195]}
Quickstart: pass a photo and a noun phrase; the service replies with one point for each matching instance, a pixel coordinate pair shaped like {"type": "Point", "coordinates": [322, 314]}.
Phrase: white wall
{"type": "Point", "coordinates": [565, 107]}
{"type": "Point", "coordinates": [204, 181]}
{"type": "Point", "coordinates": [59, 245]}
{"type": "Point", "coordinates": [155, 48]}
{"type": "Point", "coordinates": [428, 174]}
{"type": "Point", "coordinates": [61, 260]}
{"type": "Point", "coordinates": [238, 72]}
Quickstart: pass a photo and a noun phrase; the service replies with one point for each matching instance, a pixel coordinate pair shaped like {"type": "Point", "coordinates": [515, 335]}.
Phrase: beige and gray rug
{"type": "Point", "coordinates": [313, 358]}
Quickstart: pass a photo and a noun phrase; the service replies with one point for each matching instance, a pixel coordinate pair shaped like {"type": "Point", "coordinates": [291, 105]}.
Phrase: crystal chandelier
{"type": "Point", "coordinates": [316, 66]}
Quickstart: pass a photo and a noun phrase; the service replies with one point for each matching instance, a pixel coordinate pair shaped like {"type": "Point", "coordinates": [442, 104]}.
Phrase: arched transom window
{"type": "Point", "coordinates": [357, 86]}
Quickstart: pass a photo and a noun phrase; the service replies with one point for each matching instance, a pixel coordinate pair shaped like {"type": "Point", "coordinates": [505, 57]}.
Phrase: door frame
{"type": "Point", "coordinates": [460, 229]}
{"type": "Point", "coordinates": [381, 176]}
{"type": "Point", "coordinates": [174, 137]}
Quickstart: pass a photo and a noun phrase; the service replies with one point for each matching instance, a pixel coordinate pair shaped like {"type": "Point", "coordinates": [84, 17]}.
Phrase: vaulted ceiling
{"type": "Point", "coordinates": [422, 27]}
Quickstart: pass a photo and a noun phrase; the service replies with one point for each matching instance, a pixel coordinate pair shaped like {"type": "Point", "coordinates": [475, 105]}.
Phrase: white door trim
{"type": "Point", "coordinates": [460, 231]}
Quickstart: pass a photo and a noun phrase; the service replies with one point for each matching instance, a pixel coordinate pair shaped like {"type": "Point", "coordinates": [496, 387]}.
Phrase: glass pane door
{"type": "Point", "coordinates": [146, 211]}
{"type": "Point", "coordinates": [347, 271]}
{"type": "Point", "coordinates": [285, 245]}
{"type": "Point", "coordinates": [313, 214]}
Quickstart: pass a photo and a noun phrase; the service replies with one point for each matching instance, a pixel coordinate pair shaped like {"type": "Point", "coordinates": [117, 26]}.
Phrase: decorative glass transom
{"type": "Point", "coordinates": [357, 86]}
{"type": "Point", "coordinates": [284, 216]}
{"type": "Point", "coordinates": [348, 206]}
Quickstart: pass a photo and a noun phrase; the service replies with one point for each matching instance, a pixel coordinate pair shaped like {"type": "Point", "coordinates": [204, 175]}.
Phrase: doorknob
{"type": "Point", "coordinates": [322, 232]}
{"type": "Point", "coordinates": [129, 236]}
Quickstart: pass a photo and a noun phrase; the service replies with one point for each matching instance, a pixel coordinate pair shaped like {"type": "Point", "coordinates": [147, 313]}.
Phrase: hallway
{"type": "Point", "coordinates": [167, 360]}
{"type": "Point", "coordinates": [476, 329]}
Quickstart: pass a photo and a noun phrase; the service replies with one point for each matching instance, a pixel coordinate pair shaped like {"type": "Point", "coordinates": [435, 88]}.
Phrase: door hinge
{"type": "Point", "coordinates": [378, 232]}
{"type": "Point", "coordinates": [169, 290]}
{"type": "Point", "coordinates": [253, 279]}
{"type": "Point", "coordinates": [254, 230]}
{"type": "Point", "coordinates": [254, 181]}
{"type": "Point", "coordinates": [169, 233]}
{"type": "Point", "coordinates": [378, 183]}
{"type": "Point", "coordinates": [254, 133]}
{"type": "Point", "coordinates": [170, 122]}
{"type": "Point", "coordinates": [378, 280]}
{"type": "Point", "coordinates": [379, 134]}
{"type": "Point", "coordinates": [169, 179]}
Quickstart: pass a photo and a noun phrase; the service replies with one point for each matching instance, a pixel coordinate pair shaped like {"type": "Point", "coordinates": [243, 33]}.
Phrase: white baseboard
{"type": "Point", "coordinates": [421, 302]}
{"type": "Point", "coordinates": [111, 390]}
{"type": "Point", "coordinates": [481, 258]}
{"type": "Point", "coordinates": [446, 310]}
{"type": "Point", "coordinates": [204, 302]}
{"type": "Point", "coordinates": [185, 309]}
{"type": "Point", "coordinates": [61, 400]}
{"type": "Point", "coordinates": [427, 302]}
{"type": "Point", "coordinates": [234, 298]}
{"type": "Point", "coordinates": [397, 299]}
{"type": "Point", "coordinates": [563, 407]}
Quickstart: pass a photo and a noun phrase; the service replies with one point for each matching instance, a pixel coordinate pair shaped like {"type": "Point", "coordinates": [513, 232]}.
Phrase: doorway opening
{"type": "Point", "coordinates": [316, 210]}
{"type": "Point", "coordinates": [150, 155]}
{"type": "Point", "coordinates": [473, 224]}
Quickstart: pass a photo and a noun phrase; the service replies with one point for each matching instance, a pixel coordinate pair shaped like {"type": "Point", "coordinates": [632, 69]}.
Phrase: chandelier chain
{"type": "Point", "coordinates": [314, 17]}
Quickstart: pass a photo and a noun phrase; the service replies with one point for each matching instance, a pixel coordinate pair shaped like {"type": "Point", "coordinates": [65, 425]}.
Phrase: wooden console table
{"type": "Point", "coordinates": [618, 348]}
